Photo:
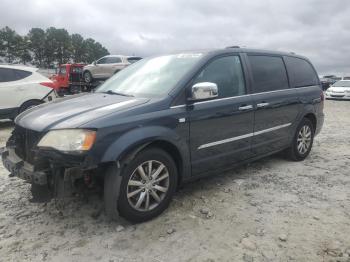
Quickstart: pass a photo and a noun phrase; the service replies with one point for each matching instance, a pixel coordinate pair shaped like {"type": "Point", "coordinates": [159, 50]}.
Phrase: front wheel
{"type": "Point", "coordinates": [147, 185]}
{"type": "Point", "coordinates": [87, 77]}
{"type": "Point", "coordinates": [302, 141]}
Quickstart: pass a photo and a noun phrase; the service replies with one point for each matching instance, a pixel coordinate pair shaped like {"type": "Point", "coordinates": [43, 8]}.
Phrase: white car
{"type": "Point", "coordinates": [107, 66]}
{"type": "Point", "coordinates": [21, 88]}
{"type": "Point", "coordinates": [339, 90]}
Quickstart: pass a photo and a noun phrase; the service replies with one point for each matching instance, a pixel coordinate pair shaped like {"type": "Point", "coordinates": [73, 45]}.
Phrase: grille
{"type": "Point", "coordinates": [25, 141]}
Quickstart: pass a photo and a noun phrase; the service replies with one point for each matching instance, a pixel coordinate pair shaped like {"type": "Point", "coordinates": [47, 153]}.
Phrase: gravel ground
{"type": "Point", "coordinates": [270, 210]}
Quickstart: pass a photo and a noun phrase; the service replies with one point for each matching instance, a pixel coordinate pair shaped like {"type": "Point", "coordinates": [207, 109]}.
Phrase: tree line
{"type": "Point", "coordinates": [45, 48]}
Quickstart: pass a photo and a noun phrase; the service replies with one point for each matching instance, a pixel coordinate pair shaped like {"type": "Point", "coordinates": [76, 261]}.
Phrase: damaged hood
{"type": "Point", "coordinates": [74, 111]}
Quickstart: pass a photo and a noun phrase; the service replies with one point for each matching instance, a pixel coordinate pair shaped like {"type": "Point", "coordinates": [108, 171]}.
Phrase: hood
{"type": "Point", "coordinates": [74, 111]}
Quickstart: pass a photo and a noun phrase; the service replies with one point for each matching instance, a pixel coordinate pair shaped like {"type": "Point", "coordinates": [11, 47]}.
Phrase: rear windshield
{"type": "Point", "coordinates": [342, 83]}
{"type": "Point", "coordinates": [133, 59]}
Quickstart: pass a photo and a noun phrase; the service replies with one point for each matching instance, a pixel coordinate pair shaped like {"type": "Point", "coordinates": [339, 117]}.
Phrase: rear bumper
{"type": "Point", "coordinates": [22, 169]}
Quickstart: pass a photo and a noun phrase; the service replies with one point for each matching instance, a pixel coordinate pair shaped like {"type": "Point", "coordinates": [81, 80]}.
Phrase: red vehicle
{"type": "Point", "coordinates": [69, 79]}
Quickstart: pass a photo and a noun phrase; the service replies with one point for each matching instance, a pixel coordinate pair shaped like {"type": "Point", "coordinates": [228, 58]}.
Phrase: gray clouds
{"type": "Point", "coordinates": [319, 29]}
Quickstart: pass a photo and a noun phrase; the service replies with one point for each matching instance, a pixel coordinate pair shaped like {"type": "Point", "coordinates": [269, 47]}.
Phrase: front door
{"type": "Point", "coordinates": [221, 129]}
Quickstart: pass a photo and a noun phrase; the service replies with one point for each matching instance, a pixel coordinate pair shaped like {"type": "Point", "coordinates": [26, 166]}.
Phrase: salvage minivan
{"type": "Point", "coordinates": [166, 120]}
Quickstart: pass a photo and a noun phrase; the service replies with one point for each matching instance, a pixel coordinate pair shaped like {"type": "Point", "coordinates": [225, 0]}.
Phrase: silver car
{"type": "Point", "coordinates": [107, 66]}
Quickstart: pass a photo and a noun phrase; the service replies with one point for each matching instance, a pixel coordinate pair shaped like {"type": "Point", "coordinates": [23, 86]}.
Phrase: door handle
{"type": "Point", "coordinates": [261, 105]}
{"type": "Point", "coordinates": [245, 107]}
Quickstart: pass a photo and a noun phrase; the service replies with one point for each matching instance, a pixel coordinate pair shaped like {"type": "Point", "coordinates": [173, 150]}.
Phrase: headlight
{"type": "Point", "coordinates": [69, 140]}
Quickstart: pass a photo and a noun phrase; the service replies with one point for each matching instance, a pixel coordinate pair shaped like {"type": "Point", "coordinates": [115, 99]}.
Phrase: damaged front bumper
{"type": "Point", "coordinates": [22, 169]}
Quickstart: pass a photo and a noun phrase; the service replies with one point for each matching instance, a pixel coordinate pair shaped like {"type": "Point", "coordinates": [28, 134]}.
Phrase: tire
{"type": "Point", "coordinates": [40, 194]}
{"type": "Point", "coordinates": [29, 104]}
{"type": "Point", "coordinates": [129, 180]}
{"type": "Point", "coordinates": [74, 89]}
{"type": "Point", "coordinates": [297, 152]}
{"type": "Point", "coordinates": [87, 77]}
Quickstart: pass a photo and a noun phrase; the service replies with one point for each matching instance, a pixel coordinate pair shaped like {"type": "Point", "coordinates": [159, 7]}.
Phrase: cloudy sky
{"type": "Point", "coordinates": [318, 29]}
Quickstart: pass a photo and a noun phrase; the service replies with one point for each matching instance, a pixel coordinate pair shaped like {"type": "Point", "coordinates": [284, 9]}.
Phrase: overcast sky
{"type": "Point", "coordinates": [318, 29]}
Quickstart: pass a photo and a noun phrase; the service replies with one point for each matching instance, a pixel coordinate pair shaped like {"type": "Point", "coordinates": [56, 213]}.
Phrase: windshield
{"type": "Point", "coordinates": [151, 77]}
{"type": "Point", "coordinates": [342, 83]}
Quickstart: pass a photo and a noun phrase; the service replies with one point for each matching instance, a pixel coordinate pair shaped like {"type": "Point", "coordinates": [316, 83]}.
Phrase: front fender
{"type": "Point", "coordinates": [142, 136]}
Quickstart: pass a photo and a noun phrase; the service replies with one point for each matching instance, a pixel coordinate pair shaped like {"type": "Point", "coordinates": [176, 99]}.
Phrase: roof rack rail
{"type": "Point", "coordinates": [234, 46]}
{"type": "Point", "coordinates": [292, 53]}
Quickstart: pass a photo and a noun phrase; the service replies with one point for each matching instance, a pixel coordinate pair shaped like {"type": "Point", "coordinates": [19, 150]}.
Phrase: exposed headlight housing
{"type": "Point", "coordinates": [69, 140]}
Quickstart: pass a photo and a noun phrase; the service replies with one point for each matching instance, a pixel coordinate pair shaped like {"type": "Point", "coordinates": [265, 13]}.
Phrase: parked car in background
{"type": "Point", "coordinates": [339, 90]}
{"type": "Point", "coordinates": [326, 83]}
{"type": "Point", "coordinates": [22, 88]}
{"type": "Point", "coordinates": [107, 66]}
{"type": "Point", "coordinates": [150, 128]}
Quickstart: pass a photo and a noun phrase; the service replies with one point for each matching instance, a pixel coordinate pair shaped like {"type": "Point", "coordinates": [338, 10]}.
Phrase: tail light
{"type": "Point", "coordinates": [48, 84]}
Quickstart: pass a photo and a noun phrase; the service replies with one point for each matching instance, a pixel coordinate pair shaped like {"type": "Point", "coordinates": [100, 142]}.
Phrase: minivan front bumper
{"type": "Point", "coordinates": [22, 169]}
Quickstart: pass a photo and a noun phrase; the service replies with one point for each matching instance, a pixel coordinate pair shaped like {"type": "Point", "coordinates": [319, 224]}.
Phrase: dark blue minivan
{"type": "Point", "coordinates": [166, 120]}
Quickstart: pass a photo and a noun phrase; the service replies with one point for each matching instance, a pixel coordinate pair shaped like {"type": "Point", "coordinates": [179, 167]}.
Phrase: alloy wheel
{"type": "Point", "coordinates": [304, 139]}
{"type": "Point", "coordinates": [148, 185]}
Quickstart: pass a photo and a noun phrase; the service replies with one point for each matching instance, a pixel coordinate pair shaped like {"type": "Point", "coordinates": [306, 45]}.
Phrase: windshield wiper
{"type": "Point", "coordinates": [111, 92]}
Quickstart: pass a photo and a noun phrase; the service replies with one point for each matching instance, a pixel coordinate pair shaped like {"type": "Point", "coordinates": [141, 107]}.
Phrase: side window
{"type": "Point", "coordinates": [62, 70]}
{"type": "Point", "coordinates": [8, 74]}
{"type": "Point", "coordinates": [269, 73]}
{"type": "Point", "coordinates": [113, 60]}
{"type": "Point", "coordinates": [103, 60]}
{"type": "Point", "coordinates": [227, 73]}
{"type": "Point", "coordinates": [301, 73]}
{"type": "Point", "coordinates": [21, 74]}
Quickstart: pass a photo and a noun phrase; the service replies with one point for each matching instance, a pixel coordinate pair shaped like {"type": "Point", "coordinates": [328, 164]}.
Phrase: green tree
{"type": "Point", "coordinates": [57, 46]}
{"type": "Point", "coordinates": [22, 49]}
{"type": "Point", "coordinates": [94, 50]}
{"type": "Point", "coordinates": [46, 48]}
{"type": "Point", "coordinates": [37, 39]}
{"type": "Point", "coordinates": [78, 48]}
{"type": "Point", "coordinates": [8, 43]}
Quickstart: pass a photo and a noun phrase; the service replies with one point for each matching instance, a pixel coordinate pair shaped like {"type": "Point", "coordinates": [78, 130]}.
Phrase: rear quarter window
{"type": "Point", "coordinates": [268, 72]}
{"type": "Point", "coordinates": [9, 74]}
{"type": "Point", "coordinates": [301, 73]}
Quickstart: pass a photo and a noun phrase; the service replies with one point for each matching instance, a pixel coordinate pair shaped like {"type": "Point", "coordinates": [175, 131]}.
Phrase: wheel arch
{"type": "Point", "coordinates": [40, 101]}
{"type": "Point", "coordinates": [127, 146]}
{"type": "Point", "coordinates": [312, 118]}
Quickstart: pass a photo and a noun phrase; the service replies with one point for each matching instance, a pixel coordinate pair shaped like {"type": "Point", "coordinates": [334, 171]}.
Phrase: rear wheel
{"type": "Point", "coordinates": [147, 185]}
{"type": "Point", "coordinates": [302, 141]}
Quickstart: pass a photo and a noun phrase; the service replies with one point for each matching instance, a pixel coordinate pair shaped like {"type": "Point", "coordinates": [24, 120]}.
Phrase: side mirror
{"type": "Point", "coordinates": [203, 91]}
{"type": "Point", "coordinates": [94, 63]}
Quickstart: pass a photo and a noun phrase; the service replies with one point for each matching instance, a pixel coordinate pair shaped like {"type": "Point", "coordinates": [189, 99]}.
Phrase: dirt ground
{"type": "Point", "coordinates": [270, 210]}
